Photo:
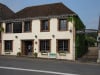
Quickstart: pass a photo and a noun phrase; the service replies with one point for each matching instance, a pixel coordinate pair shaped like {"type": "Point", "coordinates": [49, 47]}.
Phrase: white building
{"type": "Point", "coordinates": [43, 29]}
{"type": "Point", "coordinates": [98, 40]}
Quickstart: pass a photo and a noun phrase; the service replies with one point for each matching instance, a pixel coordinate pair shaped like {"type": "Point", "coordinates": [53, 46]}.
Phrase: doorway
{"type": "Point", "coordinates": [27, 47]}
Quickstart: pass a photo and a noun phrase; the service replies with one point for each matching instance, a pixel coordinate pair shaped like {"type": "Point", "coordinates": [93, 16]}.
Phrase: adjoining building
{"type": "Point", "coordinates": [48, 30]}
{"type": "Point", "coordinates": [5, 13]}
{"type": "Point", "coordinates": [98, 40]}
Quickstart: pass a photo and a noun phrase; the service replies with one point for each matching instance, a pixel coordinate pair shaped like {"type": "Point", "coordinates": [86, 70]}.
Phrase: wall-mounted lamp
{"type": "Point", "coordinates": [35, 42]}
{"type": "Point", "coordinates": [16, 37]}
{"type": "Point", "coordinates": [70, 30]}
{"type": "Point", "coordinates": [53, 36]}
{"type": "Point", "coordinates": [35, 36]}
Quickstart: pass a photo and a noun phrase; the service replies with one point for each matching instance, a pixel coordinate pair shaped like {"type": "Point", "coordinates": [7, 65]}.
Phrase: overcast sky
{"type": "Point", "coordinates": [88, 10]}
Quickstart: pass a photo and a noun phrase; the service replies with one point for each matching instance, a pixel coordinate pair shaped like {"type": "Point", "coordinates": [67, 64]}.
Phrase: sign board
{"type": "Point", "coordinates": [52, 55]}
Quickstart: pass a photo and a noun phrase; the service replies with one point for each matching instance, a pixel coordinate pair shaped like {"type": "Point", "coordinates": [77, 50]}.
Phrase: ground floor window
{"type": "Point", "coordinates": [44, 46]}
{"type": "Point", "coordinates": [62, 45]}
{"type": "Point", "coordinates": [8, 45]}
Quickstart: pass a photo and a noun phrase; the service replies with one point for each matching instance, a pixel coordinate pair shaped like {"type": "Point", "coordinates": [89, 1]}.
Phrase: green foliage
{"type": "Point", "coordinates": [77, 21]}
{"type": "Point", "coordinates": [81, 46]}
{"type": "Point", "coordinates": [93, 34]}
{"type": "Point", "coordinates": [35, 55]}
{"type": "Point", "coordinates": [91, 41]}
{"type": "Point", "coordinates": [91, 38]}
{"type": "Point", "coordinates": [1, 29]}
{"type": "Point", "coordinates": [19, 54]}
{"type": "Point", "coordinates": [70, 18]}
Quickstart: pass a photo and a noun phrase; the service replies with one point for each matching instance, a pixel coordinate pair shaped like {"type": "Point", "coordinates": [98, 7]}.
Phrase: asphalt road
{"type": "Point", "coordinates": [28, 66]}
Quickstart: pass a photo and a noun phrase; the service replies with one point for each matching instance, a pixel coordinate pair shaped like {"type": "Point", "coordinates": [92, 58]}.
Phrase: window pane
{"type": "Point", "coordinates": [27, 26]}
{"type": "Point", "coordinates": [63, 45]}
{"type": "Point", "coordinates": [47, 44]}
{"type": "Point", "coordinates": [63, 24]}
{"type": "Point", "coordinates": [44, 25]}
{"type": "Point", "coordinates": [8, 27]}
{"type": "Point", "coordinates": [44, 45]}
{"type": "Point", "coordinates": [17, 27]}
{"type": "Point", "coordinates": [8, 45]}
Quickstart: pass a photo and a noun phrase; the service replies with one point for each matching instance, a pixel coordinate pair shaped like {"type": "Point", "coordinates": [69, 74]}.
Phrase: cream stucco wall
{"type": "Point", "coordinates": [41, 35]}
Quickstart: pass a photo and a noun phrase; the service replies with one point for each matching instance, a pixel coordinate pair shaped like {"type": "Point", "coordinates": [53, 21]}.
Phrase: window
{"type": "Point", "coordinates": [62, 45]}
{"type": "Point", "coordinates": [45, 25]}
{"type": "Point", "coordinates": [17, 27]}
{"type": "Point", "coordinates": [63, 25]}
{"type": "Point", "coordinates": [44, 45]}
{"type": "Point", "coordinates": [1, 31]}
{"type": "Point", "coordinates": [8, 46]}
{"type": "Point", "coordinates": [27, 26]}
{"type": "Point", "coordinates": [8, 27]}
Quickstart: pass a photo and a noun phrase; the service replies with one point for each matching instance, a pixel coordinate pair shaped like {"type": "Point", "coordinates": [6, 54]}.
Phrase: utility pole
{"type": "Point", "coordinates": [98, 40]}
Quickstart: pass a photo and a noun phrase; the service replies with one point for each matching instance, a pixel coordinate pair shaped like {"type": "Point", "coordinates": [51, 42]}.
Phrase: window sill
{"type": "Point", "coordinates": [62, 30]}
{"type": "Point", "coordinates": [63, 53]}
{"type": "Point", "coordinates": [8, 52]}
{"type": "Point", "coordinates": [44, 53]}
{"type": "Point", "coordinates": [26, 32]}
{"type": "Point", "coordinates": [44, 31]}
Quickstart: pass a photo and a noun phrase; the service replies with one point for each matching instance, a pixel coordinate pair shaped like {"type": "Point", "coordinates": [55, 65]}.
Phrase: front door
{"type": "Point", "coordinates": [27, 47]}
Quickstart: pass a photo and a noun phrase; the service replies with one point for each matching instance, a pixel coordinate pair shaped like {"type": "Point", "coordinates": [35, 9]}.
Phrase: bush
{"type": "Point", "coordinates": [35, 55]}
{"type": "Point", "coordinates": [19, 54]}
{"type": "Point", "coordinates": [81, 45]}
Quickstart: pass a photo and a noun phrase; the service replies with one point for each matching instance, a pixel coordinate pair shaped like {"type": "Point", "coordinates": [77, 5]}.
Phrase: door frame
{"type": "Point", "coordinates": [23, 46]}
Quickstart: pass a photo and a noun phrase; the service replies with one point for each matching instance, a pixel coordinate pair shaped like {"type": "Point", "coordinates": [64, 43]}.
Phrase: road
{"type": "Point", "coordinates": [10, 65]}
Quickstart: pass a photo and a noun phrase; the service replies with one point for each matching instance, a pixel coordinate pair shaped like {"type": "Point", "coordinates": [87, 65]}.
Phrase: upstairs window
{"type": "Point", "coordinates": [8, 28]}
{"type": "Point", "coordinates": [1, 29]}
{"type": "Point", "coordinates": [63, 26]}
{"type": "Point", "coordinates": [8, 45]}
{"type": "Point", "coordinates": [17, 27]}
{"type": "Point", "coordinates": [27, 26]}
{"type": "Point", "coordinates": [45, 26]}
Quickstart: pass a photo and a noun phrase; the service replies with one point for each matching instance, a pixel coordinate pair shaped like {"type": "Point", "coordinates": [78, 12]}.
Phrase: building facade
{"type": "Point", "coordinates": [45, 30]}
{"type": "Point", "coordinates": [98, 40]}
{"type": "Point", "coordinates": [5, 13]}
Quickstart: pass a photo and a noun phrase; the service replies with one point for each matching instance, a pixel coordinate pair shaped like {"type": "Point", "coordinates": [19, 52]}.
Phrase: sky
{"type": "Point", "coordinates": [87, 10]}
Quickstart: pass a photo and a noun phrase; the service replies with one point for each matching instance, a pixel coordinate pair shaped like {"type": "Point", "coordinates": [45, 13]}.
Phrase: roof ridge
{"type": "Point", "coordinates": [45, 4]}
{"type": "Point", "coordinates": [40, 5]}
{"type": "Point", "coordinates": [44, 10]}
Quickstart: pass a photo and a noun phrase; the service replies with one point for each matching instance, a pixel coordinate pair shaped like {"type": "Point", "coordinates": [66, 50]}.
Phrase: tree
{"type": "Point", "coordinates": [91, 40]}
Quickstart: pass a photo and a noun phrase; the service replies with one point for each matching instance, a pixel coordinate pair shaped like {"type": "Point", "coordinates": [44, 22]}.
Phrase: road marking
{"type": "Point", "coordinates": [32, 70]}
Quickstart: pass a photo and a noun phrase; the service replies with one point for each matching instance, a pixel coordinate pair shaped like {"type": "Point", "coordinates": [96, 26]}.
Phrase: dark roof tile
{"type": "Point", "coordinates": [43, 10]}
{"type": "Point", "coordinates": [5, 12]}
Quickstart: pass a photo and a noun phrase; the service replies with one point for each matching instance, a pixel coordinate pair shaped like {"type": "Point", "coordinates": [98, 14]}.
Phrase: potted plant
{"type": "Point", "coordinates": [19, 54]}
{"type": "Point", "coordinates": [35, 55]}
